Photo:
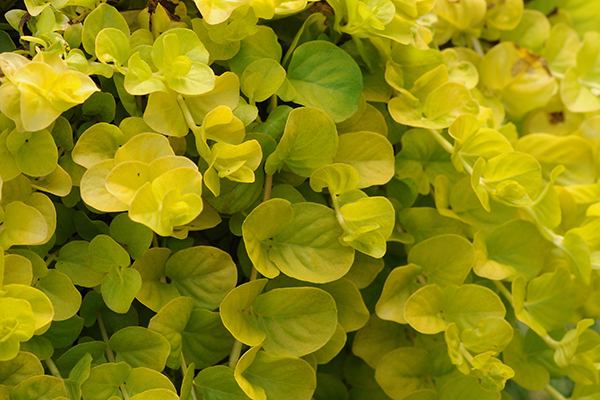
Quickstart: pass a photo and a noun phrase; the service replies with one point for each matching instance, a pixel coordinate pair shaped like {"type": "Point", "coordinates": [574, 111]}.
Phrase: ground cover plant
{"type": "Point", "coordinates": [296, 200]}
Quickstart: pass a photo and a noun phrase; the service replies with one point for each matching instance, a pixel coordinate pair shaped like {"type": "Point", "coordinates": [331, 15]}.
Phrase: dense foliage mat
{"type": "Point", "coordinates": [296, 200]}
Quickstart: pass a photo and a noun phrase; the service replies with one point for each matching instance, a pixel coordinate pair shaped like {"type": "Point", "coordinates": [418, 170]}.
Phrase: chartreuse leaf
{"type": "Point", "coordinates": [103, 16]}
{"type": "Point", "coordinates": [156, 394]}
{"type": "Point", "coordinates": [404, 371]}
{"type": "Point", "coordinates": [491, 334]}
{"type": "Point", "coordinates": [290, 321]}
{"type": "Point", "coordinates": [430, 309]}
{"type": "Point", "coordinates": [163, 114]}
{"type": "Point", "coordinates": [338, 178]}
{"type": "Point", "coordinates": [170, 322]}
{"type": "Point", "coordinates": [547, 302]}
{"type": "Point", "coordinates": [333, 347]}
{"type": "Point", "coordinates": [437, 111]}
{"type": "Point", "coordinates": [112, 45]}
{"type": "Point", "coordinates": [219, 383]}
{"type": "Point", "coordinates": [204, 273]}
{"type": "Point", "coordinates": [19, 368]}
{"type": "Point", "coordinates": [140, 347]}
{"type": "Point", "coordinates": [104, 252]}
{"type": "Point", "coordinates": [234, 162]}
{"type": "Point", "coordinates": [316, 71]}
{"type": "Point", "coordinates": [297, 321]}
{"type": "Point", "coordinates": [65, 298]}
{"type": "Point", "coordinates": [567, 347]}
{"type": "Point", "coordinates": [518, 78]}
{"type": "Point", "coordinates": [309, 141]}
{"type": "Point", "coordinates": [142, 379]}
{"type": "Point", "coordinates": [292, 248]}
{"type": "Point", "coordinates": [98, 143]}
{"type": "Point", "coordinates": [261, 79]}
{"type": "Point", "coordinates": [35, 153]}
{"type": "Point", "coordinates": [262, 44]}
{"type": "Point", "coordinates": [74, 262]}
{"type": "Point", "coordinates": [206, 341]}
{"type": "Point", "coordinates": [445, 259]}
{"type": "Point", "coordinates": [469, 387]}
{"type": "Point", "coordinates": [22, 225]}
{"type": "Point", "coordinates": [154, 293]}
{"type": "Point", "coordinates": [242, 325]}
{"type": "Point", "coordinates": [398, 287]}
{"type": "Point", "coordinates": [42, 387]}
{"type": "Point", "coordinates": [376, 339]}
{"type": "Point", "coordinates": [15, 269]}
{"type": "Point", "coordinates": [104, 380]}
{"type": "Point", "coordinates": [262, 376]}
{"type": "Point", "coordinates": [18, 325]}
{"type": "Point", "coordinates": [514, 248]}
{"type": "Point", "coordinates": [368, 222]}
{"type": "Point", "coordinates": [119, 288]}
{"type": "Point", "coordinates": [372, 155]}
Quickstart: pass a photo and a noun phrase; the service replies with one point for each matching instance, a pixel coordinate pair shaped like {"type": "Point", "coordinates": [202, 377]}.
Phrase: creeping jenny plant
{"type": "Point", "coordinates": [298, 199]}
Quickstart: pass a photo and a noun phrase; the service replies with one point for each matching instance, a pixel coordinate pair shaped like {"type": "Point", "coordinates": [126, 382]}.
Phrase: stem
{"type": "Point", "coordinates": [555, 394]}
{"type": "Point", "coordinates": [154, 241]}
{"type": "Point", "coordinates": [268, 187]}
{"type": "Point", "coordinates": [477, 46]}
{"type": "Point", "coordinates": [422, 280]}
{"type": "Point", "coordinates": [505, 292]}
{"type": "Point", "coordinates": [236, 350]}
{"type": "Point", "coordinates": [109, 353]}
{"type": "Point", "coordinates": [51, 257]}
{"type": "Point", "coordinates": [442, 141]}
{"type": "Point", "coordinates": [52, 367]}
{"type": "Point", "coordinates": [184, 369]}
{"type": "Point", "coordinates": [201, 144]}
{"type": "Point", "coordinates": [273, 102]}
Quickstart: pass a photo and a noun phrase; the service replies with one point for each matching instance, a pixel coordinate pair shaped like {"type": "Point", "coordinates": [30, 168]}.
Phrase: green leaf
{"type": "Point", "coordinates": [262, 376]}
{"type": "Point", "coordinates": [263, 44]}
{"type": "Point", "coordinates": [98, 143]}
{"type": "Point", "coordinates": [526, 357]}
{"type": "Point", "coordinates": [40, 388]}
{"type": "Point", "coordinates": [136, 237]}
{"type": "Point", "coordinates": [154, 293]}
{"type": "Point", "coordinates": [297, 321]}
{"type": "Point", "coordinates": [404, 371]}
{"type": "Point", "coordinates": [547, 302]}
{"type": "Point", "coordinates": [377, 338]}
{"type": "Point", "coordinates": [104, 381]}
{"type": "Point", "coordinates": [218, 383]}
{"type": "Point", "coordinates": [309, 141]}
{"type": "Point", "coordinates": [170, 322]}
{"type": "Point", "coordinates": [140, 347]}
{"type": "Point", "coordinates": [119, 288]}
{"type": "Point", "coordinates": [316, 71]}
{"type": "Point", "coordinates": [469, 387]}
{"type": "Point", "coordinates": [74, 262]}
{"type": "Point", "coordinates": [16, 269]}
{"type": "Point", "coordinates": [430, 309]}
{"type": "Point", "coordinates": [65, 298]}
{"type": "Point", "coordinates": [514, 248]}
{"type": "Point", "coordinates": [333, 347]}
{"type": "Point", "coordinates": [206, 341]}
{"type": "Point", "coordinates": [204, 273]}
{"type": "Point", "coordinates": [19, 368]}
{"type": "Point", "coordinates": [293, 249]}
{"type": "Point", "coordinates": [35, 153]}
{"type": "Point", "coordinates": [104, 253]}
{"type": "Point", "coordinates": [142, 379]}
{"type": "Point", "coordinates": [445, 259]}
{"type": "Point", "coordinates": [372, 155]}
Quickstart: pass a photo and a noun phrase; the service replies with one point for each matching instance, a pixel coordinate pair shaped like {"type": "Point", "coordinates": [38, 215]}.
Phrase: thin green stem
{"type": "Point", "coordinates": [51, 257]}
{"type": "Point", "coordinates": [109, 353]}
{"type": "Point", "coordinates": [477, 46]}
{"type": "Point", "coordinates": [442, 141]}
{"type": "Point", "coordinates": [234, 356]}
{"type": "Point", "coordinates": [505, 292]}
{"type": "Point", "coordinates": [155, 240]}
{"type": "Point", "coordinates": [555, 394]}
{"type": "Point", "coordinates": [273, 102]}
{"type": "Point", "coordinates": [268, 188]}
{"type": "Point", "coordinates": [52, 367]}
